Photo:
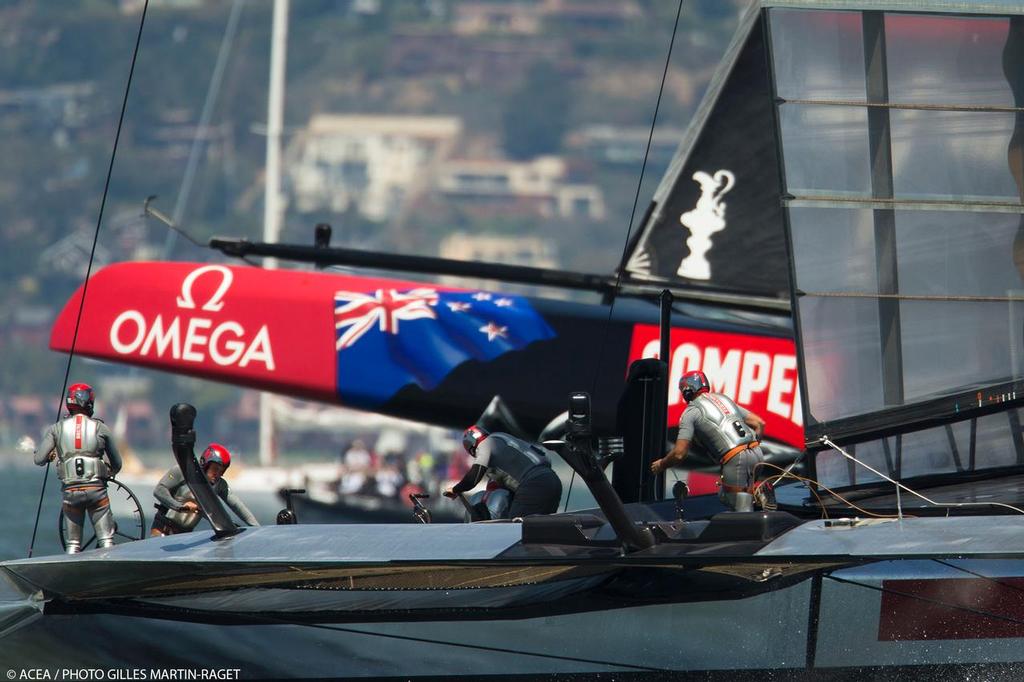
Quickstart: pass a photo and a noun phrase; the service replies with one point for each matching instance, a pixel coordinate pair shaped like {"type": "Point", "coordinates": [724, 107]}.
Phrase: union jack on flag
{"type": "Point", "coordinates": [388, 339]}
{"type": "Point", "coordinates": [357, 313]}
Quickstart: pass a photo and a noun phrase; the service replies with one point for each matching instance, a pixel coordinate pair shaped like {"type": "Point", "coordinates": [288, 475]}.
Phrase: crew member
{"type": "Point", "coordinates": [78, 444]}
{"type": "Point", "coordinates": [176, 508]}
{"type": "Point", "coordinates": [524, 468]}
{"type": "Point", "coordinates": [726, 431]}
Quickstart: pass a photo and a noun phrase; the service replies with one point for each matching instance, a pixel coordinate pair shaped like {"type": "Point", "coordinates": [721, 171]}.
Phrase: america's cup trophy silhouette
{"type": "Point", "coordinates": [706, 218]}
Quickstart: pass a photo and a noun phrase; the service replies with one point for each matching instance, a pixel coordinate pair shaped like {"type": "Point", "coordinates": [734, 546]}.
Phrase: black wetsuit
{"type": "Point", "coordinates": [525, 469]}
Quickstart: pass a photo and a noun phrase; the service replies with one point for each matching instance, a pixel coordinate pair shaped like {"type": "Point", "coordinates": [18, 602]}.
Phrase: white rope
{"type": "Point", "coordinates": [899, 486]}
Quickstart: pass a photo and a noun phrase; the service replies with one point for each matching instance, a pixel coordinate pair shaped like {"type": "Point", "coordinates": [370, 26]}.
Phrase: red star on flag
{"type": "Point", "coordinates": [493, 331]}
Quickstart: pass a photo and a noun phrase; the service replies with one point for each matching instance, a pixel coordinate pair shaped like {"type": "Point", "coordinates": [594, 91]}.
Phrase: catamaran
{"type": "Point", "coordinates": [875, 146]}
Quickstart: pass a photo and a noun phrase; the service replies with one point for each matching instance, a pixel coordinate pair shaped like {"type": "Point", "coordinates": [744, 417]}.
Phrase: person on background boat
{"type": "Point", "coordinates": [726, 431]}
{"type": "Point", "coordinates": [524, 468]}
{"type": "Point", "coordinates": [176, 507]}
{"type": "Point", "coordinates": [87, 456]}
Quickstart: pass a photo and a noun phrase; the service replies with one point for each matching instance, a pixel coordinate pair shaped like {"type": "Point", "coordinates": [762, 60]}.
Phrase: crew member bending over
{"type": "Point", "coordinates": [176, 507]}
{"type": "Point", "coordinates": [78, 444]}
{"type": "Point", "coordinates": [726, 431]}
{"type": "Point", "coordinates": [524, 468]}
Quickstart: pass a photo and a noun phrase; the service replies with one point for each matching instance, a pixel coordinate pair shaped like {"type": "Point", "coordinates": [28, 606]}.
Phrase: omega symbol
{"type": "Point", "coordinates": [215, 303]}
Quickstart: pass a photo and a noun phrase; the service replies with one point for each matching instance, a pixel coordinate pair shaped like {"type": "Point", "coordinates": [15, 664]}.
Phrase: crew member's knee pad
{"type": "Point", "coordinates": [73, 531]}
{"type": "Point", "coordinates": [103, 524]}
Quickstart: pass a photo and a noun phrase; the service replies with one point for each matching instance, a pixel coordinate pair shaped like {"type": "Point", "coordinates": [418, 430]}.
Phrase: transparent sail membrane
{"type": "Point", "coordinates": [901, 139]}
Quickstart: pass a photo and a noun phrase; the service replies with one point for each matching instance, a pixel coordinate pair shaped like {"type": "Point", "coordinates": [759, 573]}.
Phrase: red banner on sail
{"type": "Point", "coordinates": [758, 372]}
{"type": "Point", "coordinates": [273, 330]}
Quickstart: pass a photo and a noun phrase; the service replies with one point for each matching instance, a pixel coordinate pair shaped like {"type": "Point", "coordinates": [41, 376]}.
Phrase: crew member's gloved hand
{"type": "Point", "coordinates": [450, 493]}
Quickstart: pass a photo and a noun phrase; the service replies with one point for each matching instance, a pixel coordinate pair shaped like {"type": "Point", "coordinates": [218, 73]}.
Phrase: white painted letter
{"type": "Point", "coordinates": [194, 339]}
{"type": "Point", "coordinates": [754, 378]}
{"type": "Point", "coordinates": [234, 346]}
{"type": "Point", "coordinates": [115, 331]}
{"type": "Point", "coordinates": [259, 350]}
{"type": "Point", "coordinates": [724, 374]}
{"type": "Point", "coordinates": [781, 385]}
{"type": "Point", "coordinates": [157, 336]}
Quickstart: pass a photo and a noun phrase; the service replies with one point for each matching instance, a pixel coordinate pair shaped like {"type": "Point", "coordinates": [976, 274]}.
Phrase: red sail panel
{"type": "Point", "coordinates": [758, 372]}
{"type": "Point", "coordinates": [267, 329]}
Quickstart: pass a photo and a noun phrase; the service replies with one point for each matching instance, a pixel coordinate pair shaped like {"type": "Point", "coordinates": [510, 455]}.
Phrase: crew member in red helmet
{"type": "Point", "coordinates": [726, 431]}
{"type": "Point", "coordinates": [176, 508]}
{"type": "Point", "coordinates": [86, 456]}
{"type": "Point", "coordinates": [523, 468]}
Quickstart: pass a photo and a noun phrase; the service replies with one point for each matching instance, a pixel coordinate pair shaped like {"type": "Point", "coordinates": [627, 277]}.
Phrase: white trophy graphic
{"type": "Point", "coordinates": [706, 218]}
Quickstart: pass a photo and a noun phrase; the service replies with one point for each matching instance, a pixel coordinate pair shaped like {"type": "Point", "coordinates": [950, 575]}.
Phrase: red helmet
{"type": "Point", "coordinates": [80, 398]}
{"type": "Point", "coordinates": [215, 452]}
{"type": "Point", "coordinates": [692, 384]}
{"type": "Point", "coordinates": [472, 437]}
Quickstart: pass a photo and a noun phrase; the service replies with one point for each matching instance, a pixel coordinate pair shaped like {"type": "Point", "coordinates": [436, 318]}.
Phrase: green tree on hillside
{"type": "Point", "coordinates": [537, 113]}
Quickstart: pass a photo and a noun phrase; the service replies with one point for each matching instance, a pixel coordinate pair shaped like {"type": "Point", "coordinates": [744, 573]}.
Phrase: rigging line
{"type": "Point", "coordinates": [826, 441]}
{"type": "Point", "coordinates": [978, 575]}
{"type": "Point", "coordinates": [92, 255]}
{"type": "Point", "coordinates": [270, 620]}
{"type": "Point", "coordinates": [937, 602]}
{"type": "Point", "coordinates": [632, 215]}
{"type": "Point", "coordinates": [789, 474]}
{"type": "Point", "coordinates": [204, 121]}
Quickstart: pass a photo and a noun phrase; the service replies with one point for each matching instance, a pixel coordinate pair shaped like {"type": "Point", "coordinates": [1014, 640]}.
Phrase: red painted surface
{"type": "Point", "coordinates": [272, 330]}
{"type": "Point", "coordinates": [951, 608]}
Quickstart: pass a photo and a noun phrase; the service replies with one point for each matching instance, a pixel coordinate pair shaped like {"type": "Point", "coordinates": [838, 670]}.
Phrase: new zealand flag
{"type": "Point", "coordinates": [392, 338]}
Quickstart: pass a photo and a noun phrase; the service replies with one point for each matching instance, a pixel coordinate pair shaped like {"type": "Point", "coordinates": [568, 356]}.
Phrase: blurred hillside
{"type": "Point", "coordinates": [537, 115]}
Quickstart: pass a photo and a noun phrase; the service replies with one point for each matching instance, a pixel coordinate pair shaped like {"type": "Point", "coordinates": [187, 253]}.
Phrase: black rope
{"type": "Point", "coordinates": [92, 255]}
{"type": "Point", "coordinates": [629, 230]}
{"type": "Point", "coordinates": [978, 575]}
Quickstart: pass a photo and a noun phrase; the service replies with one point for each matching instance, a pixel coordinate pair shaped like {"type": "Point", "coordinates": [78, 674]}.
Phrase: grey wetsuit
{"type": "Point", "coordinates": [172, 493]}
{"type": "Point", "coordinates": [716, 423]}
{"type": "Point", "coordinates": [86, 455]}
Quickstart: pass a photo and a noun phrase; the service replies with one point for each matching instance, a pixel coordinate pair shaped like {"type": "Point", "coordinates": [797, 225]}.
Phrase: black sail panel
{"type": "Point", "coordinates": [718, 218]}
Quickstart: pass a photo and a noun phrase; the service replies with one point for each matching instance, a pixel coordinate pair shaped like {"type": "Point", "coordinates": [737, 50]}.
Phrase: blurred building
{"type": "Point", "coordinates": [372, 163]}
{"type": "Point", "coordinates": [474, 18]}
{"type": "Point", "coordinates": [618, 145]}
{"type": "Point", "coordinates": [491, 248]}
{"type": "Point", "coordinates": [539, 187]}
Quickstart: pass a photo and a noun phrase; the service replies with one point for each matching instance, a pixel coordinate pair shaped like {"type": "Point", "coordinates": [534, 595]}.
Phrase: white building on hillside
{"type": "Point", "coordinates": [374, 163]}
{"type": "Point", "coordinates": [537, 186]}
{"type": "Point", "coordinates": [490, 248]}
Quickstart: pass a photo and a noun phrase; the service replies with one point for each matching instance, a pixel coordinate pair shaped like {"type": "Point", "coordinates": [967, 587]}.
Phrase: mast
{"type": "Point", "coordinates": [272, 205]}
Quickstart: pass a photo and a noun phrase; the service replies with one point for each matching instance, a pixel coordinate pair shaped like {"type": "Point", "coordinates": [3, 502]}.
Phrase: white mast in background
{"type": "Point", "coordinates": [272, 205]}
